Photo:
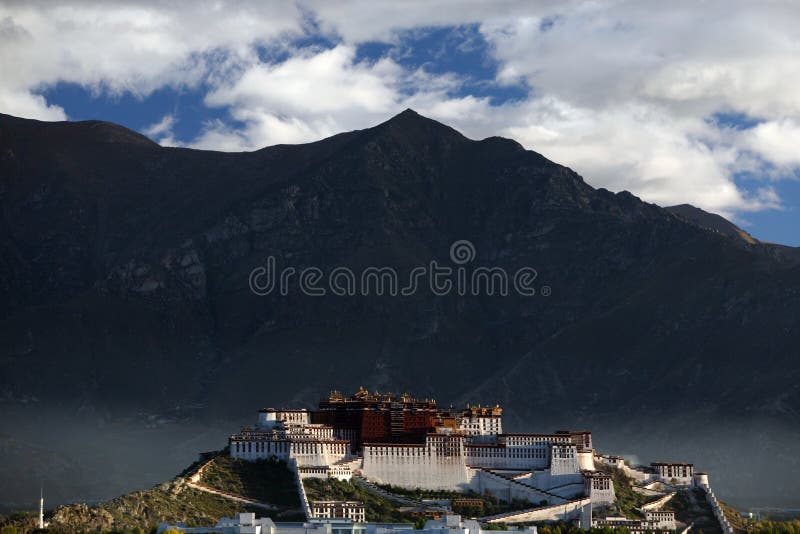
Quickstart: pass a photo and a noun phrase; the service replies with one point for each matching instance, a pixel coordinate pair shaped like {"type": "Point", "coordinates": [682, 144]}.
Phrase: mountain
{"type": "Point", "coordinates": [711, 221]}
{"type": "Point", "coordinates": [130, 331]}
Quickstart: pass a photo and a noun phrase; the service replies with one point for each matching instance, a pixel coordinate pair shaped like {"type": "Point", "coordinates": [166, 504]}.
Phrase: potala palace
{"type": "Point", "coordinates": [398, 440]}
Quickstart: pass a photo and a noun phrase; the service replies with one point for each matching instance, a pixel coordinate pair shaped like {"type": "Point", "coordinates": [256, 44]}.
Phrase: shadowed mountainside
{"type": "Point", "coordinates": [125, 301]}
{"type": "Point", "coordinates": [711, 221]}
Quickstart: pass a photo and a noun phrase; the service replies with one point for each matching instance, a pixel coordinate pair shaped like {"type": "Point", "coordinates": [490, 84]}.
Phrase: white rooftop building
{"type": "Point", "coordinates": [654, 521]}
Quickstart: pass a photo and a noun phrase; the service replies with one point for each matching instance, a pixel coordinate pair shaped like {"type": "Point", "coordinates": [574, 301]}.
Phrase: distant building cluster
{"type": "Point", "coordinates": [404, 441]}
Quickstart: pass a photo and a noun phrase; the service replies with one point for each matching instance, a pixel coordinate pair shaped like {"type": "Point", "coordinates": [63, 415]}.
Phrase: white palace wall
{"type": "Point", "coordinates": [484, 481]}
{"type": "Point", "coordinates": [446, 462]}
{"type": "Point", "coordinates": [306, 452]}
{"type": "Point", "coordinates": [558, 512]}
{"type": "Point", "coordinates": [414, 466]}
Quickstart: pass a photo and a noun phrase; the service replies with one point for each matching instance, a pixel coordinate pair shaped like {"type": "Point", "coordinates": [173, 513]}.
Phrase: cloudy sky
{"type": "Point", "coordinates": [677, 102]}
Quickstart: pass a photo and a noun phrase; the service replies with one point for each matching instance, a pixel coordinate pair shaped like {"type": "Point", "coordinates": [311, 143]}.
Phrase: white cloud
{"type": "Point", "coordinates": [162, 132]}
{"type": "Point", "coordinates": [313, 83]}
{"type": "Point", "coordinates": [164, 126]}
{"type": "Point", "coordinates": [776, 141]}
{"type": "Point", "coordinates": [134, 47]}
{"type": "Point", "coordinates": [367, 20]}
{"type": "Point", "coordinates": [24, 104]}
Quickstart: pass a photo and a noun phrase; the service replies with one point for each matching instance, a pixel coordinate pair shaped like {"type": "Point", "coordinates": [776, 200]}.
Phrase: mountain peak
{"type": "Point", "coordinates": [409, 116]}
{"type": "Point", "coordinates": [409, 122]}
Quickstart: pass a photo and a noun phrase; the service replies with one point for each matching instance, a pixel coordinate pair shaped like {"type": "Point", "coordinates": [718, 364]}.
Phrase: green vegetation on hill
{"type": "Point", "coordinates": [773, 527]}
{"type": "Point", "coordinates": [18, 522]}
{"type": "Point", "coordinates": [682, 506]}
{"type": "Point", "coordinates": [765, 526]}
{"type": "Point", "coordinates": [377, 508]}
{"type": "Point", "coordinates": [143, 510]}
{"type": "Point", "coordinates": [628, 501]}
{"type": "Point", "coordinates": [692, 508]}
{"type": "Point", "coordinates": [267, 481]}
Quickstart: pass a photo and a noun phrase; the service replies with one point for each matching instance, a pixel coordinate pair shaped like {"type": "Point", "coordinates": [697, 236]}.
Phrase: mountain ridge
{"type": "Point", "coordinates": [712, 221]}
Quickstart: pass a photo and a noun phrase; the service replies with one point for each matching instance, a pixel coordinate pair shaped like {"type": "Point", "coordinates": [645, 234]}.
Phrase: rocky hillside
{"type": "Point", "coordinates": [191, 500]}
{"type": "Point", "coordinates": [711, 221]}
{"type": "Point", "coordinates": [124, 272]}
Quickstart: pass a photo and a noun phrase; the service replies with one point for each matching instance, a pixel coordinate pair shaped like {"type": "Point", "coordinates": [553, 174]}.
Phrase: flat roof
{"type": "Point", "coordinates": [553, 435]}
{"type": "Point", "coordinates": [379, 444]}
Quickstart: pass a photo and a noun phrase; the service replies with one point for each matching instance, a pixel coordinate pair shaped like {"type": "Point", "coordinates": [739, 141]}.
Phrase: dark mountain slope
{"type": "Point", "coordinates": [712, 221]}
{"type": "Point", "coordinates": [124, 283]}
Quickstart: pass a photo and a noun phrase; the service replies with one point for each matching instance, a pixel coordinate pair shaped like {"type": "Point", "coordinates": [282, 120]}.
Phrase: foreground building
{"type": "Point", "coordinates": [350, 510]}
{"type": "Point", "coordinates": [654, 521]}
{"type": "Point", "coordinates": [249, 524]}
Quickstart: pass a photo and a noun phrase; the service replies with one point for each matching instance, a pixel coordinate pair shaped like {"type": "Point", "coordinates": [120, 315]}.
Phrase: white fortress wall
{"type": "Point", "coordinates": [637, 474]}
{"type": "Point", "coordinates": [262, 449]}
{"type": "Point", "coordinates": [569, 491]}
{"type": "Point", "coordinates": [320, 472]}
{"type": "Point", "coordinates": [318, 452]}
{"type": "Point", "coordinates": [307, 452]}
{"type": "Point", "coordinates": [558, 512]}
{"type": "Point", "coordinates": [535, 456]}
{"type": "Point", "coordinates": [602, 497]}
{"type": "Point", "coordinates": [414, 466]}
{"type": "Point", "coordinates": [658, 503]}
{"type": "Point", "coordinates": [544, 480]}
{"type": "Point", "coordinates": [718, 513]}
{"type": "Point", "coordinates": [301, 491]}
{"type": "Point", "coordinates": [700, 480]}
{"type": "Point", "coordinates": [586, 460]}
{"type": "Point", "coordinates": [325, 472]}
{"type": "Point", "coordinates": [484, 481]}
{"type": "Point", "coordinates": [564, 467]}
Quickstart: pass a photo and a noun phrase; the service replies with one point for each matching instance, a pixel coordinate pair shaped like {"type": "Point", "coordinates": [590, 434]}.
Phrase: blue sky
{"type": "Point", "coordinates": [692, 103]}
